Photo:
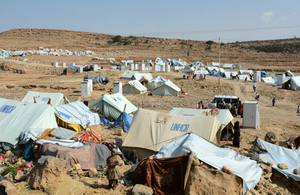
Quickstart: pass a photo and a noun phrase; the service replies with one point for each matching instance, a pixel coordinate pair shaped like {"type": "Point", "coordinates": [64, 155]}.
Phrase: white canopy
{"type": "Point", "coordinates": [113, 105]}
{"type": "Point", "coordinates": [43, 98]}
{"type": "Point", "coordinates": [134, 87]}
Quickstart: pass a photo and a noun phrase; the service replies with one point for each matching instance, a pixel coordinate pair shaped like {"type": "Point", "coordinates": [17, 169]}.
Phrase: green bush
{"type": "Point", "coordinates": [116, 39]}
{"type": "Point", "coordinates": [210, 42]}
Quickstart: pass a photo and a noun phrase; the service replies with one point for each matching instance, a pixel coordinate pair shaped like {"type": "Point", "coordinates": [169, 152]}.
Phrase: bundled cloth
{"type": "Point", "coordinates": [89, 156]}
{"type": "Point", "coordinates": [165, 175]}
{"type": "Point", "coordinates": [89, 135]}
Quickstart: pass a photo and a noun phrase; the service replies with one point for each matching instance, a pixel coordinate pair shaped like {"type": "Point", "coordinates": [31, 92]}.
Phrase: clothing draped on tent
{"type": "Point", "coordinates": [166, 175]}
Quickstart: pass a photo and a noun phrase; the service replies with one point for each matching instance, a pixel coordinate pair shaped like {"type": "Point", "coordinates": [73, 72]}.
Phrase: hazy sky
{"type": "Point", "coordinates": [231, 20]}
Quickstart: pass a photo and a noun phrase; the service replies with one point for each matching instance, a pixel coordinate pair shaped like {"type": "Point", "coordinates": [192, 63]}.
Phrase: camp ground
{"type": "Point", "coordinates": [134, 87]}
{"type": "Point", "coordinates": [55, 99]}
{"type": "Point", "coordinates": [159, 128]}
{"type": "Point", "coordinates": [19, 117]}
{"type": "Point", "coordinates": [111, 106]}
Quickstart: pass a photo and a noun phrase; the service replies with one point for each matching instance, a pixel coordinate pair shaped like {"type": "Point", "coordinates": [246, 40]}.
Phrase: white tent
{"type": "Point", "coordinates": [134, 87]}
{"type": "Point", "coordinates": [295, 83]}
{"type": "Point", "coordinates": [17, 117]}
{"type": "Point", "coordinates": [43, 98]}
{"type": "Point", "coordinates": [226, 66]}
{"type": "Point", "coordinates": [217, 157]}
{"type": "Point", "coordinates": [138, 76]}
{"type": "Point", "coordinates": [201, 71]}
{"type": "Point", "coordinates": [166, 89]}
{"type": "Point", "coordinates": [128, 74]}
{"type": "Point", "coordinates": [224, 116]}
{"type": "Point", "coordinates": [156, 82]}
{"type": "Point", "coordinates": [215, 64]}
{"type": "Point", "coordinates": [113, 105]}
{"type": "Point", "coordinates": [248, 72]}
{"type": "Point", "coordinates": [79, 113]}
{"type": "Point", "coordinates": [268, 80]}
{"type": "Point", "coordinates": [149, 130]}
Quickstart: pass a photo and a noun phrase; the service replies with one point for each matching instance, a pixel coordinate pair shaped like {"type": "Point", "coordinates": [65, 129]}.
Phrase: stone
{"type": "Point", "coordinates": [118, 132]}
{"type": "Point", "coordinates": [139, 189]}
{"type": "Point", "coordinates": [93, 172]}
{"type": "Point", "coordinates": [261, 160]}
{"type": "Point", "coordinates": [77, 167]}
{"type": "Point", "coordinates": [10, 189]}
{"type": "Point", "coordinates": [253, 192]}
{"type": "Point", "coordinates": [270, 163]}
{"type": "Point", "coordinates": [282, 166]}
{"type": "Point", "coordinates": [196, 162]}
{"type": "Point", "coordinates": [266, 168]}
{"type": "Point", "coordinates": [8, 153]}
{"type": "Point", "coordinates": [268, 176]}
{"type": "Point", "coordinates": [227, 170]}
{"type": "Point", "coordinates": [44, 177]}
{"type": "Point", "coordinates": [297, 171]}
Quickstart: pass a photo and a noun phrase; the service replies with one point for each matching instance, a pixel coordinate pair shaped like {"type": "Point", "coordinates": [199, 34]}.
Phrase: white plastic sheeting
{"type": "Point", "coordinates": [79, 113]}
{"type": "Point", "coordinates": [295, 83]}
{"type": "Point", "coordinates": [278, 154]}
{"type": "Point", "coordinates": [67, 143]}
{"type": "Point", "coordinates": [217, 157]}
{"type": "Point", "coordinates": [268, 80]}
{"type": "Point", "coordinates": [43, 98]}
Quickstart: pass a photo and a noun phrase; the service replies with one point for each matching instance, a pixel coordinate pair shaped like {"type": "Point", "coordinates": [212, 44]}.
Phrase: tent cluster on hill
{"type": "Point", "coordinates": [139, 82]}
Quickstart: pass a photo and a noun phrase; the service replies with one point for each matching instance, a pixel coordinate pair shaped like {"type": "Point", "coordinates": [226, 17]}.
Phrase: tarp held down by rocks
{"type": "Point", "coordinates": [79, 113]}
{"type": "Point", "coordinates": [217, 157]}
{"type": "Point", "coordinates": [278, 154]}
{"type": "Point", "coordinates": [166, 175]}
{"type": "Point", "coordinates": [97, 80]}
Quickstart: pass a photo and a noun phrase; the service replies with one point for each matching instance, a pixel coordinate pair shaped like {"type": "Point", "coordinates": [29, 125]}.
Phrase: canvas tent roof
{"type": "Point", "coordinates": [96, 80]}
{"type": "Point", "coordinates": [79, 113]}
{"type": "Point", "coordinates": [201, 71]}
{"type": "Point", "coordinates": [227, 66]}
{"type": "Point", "coordinates": [111, 106]}
{"type": "Point", "coordinates": [246, 72]}
{"type": "Point", "coordinates": [17, 117]}
{"type": "Point", "coordinates": [166, 89]}
{"type": "Point", "coordinates": [224, 115]}
{"type": "Point", "coordinates": [134, 87]}
{"type": "Point", "coordinates": [156, 82]}
{"type": "Point", "coordinates": [160, 128]}
{"type": "Point", "coordinates": [217, 157]}
{"type": "Point", "coordinates": [128, 74]}
{"type": "Point", "coordinates": [138, 76]}
{"type": "Point", "coordinates": [43, 98]}
{"type": "Point", "coordinates": [295, 83]}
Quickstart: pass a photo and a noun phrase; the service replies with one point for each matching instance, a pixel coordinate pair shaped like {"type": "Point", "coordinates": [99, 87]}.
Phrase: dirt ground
{"type": "Point", "coordinates": [39, 75]}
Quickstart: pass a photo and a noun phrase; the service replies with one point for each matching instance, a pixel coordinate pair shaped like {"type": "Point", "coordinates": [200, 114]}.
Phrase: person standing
{"type": "Point", "coordinates": [273, 101]}
{"type": "Point", "coordinates": [246, 78]}
{"type": "Point", "coordinates": [112, 172]}
{"type": "Point", "coordinates": [254, 86]}
{"type": "Point", "coordinates": [236, 135]}
{"type": "Point", "coordinates": [298, 110]}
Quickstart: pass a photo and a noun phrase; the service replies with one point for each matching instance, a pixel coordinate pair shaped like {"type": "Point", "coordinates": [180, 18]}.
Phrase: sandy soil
{"type": "Point", "coordinates": [41, 76]}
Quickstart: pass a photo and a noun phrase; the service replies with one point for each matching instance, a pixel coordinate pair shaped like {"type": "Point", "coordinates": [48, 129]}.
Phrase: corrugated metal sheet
{"type": "Point", "coordinates": [250, 114]}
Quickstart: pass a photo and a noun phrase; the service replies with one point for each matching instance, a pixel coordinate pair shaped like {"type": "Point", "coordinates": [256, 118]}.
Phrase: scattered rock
{"type": "Point", "coordinates": [44, 176]}
{"type": "Point", "coordinates": [139, 189]}
{"type": "Point", "coordinates": [77, 167]}
{"type": "Point", "coordinates": [268, 176]}
{"type": "Point", "coordinates": [297, 171]}
{"type": "Point", "coordinates": [93, 172]}
{"type": "Point", "coordinates": [270, 163]}
{"type": "Point", "coordinates": [252, 192]}
{"type": "Point", "coordinates": [196, 162]}
{"type": "Point", "coordinates": [10, 189]}
{"type": "Point", "coordinates": [227, 170]}
{"type": "Point", "coordinates": [261, 160]}
{"type": "Point", "coordinates": [266, 168]}
{"type": "Point", "coordinates": [282, 166]}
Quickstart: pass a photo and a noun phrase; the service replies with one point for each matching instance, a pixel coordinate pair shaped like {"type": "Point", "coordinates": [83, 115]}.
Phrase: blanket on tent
{"type": "Point", "coordinates": [88, 156]}
{"type": "Point", "coordinates": [164, 176]}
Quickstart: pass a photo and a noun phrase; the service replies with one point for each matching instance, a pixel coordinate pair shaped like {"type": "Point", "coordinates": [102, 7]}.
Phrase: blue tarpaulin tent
{"type": "Point", "coordinates": [124, 120]}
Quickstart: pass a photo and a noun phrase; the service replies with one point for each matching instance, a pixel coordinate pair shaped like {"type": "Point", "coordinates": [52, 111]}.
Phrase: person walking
{"type": "Point", "coordinates": [254, 86]}
{"type": "Point", "coordinates": [273, 101]}
{"type": "Point", "coordinates": [246, 79]}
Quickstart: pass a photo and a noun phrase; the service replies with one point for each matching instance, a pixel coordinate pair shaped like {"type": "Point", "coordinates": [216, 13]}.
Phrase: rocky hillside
{"type": "Point", "coordinates": [276, 55]}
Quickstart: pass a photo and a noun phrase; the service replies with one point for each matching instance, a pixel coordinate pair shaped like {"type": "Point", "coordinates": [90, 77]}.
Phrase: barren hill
{"type": "Point", "coordinates": [249, 54]}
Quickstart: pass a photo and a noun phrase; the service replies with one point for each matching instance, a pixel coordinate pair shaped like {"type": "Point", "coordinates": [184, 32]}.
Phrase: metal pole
{"type": "Point", "coordinates": [219, 63]}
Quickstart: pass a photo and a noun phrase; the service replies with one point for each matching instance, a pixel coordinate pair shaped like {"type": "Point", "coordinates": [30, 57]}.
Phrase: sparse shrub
{"type": "Point", "coordinates": [210, 42]}
{"type": "Point", "coordinates": [116, 39]}
{"type": "Point", "coordinates": [183, 43]}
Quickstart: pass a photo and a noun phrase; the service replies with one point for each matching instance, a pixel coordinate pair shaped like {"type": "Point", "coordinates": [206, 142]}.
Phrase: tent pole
{"type": "Point", "coordinates": [124, 107]}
